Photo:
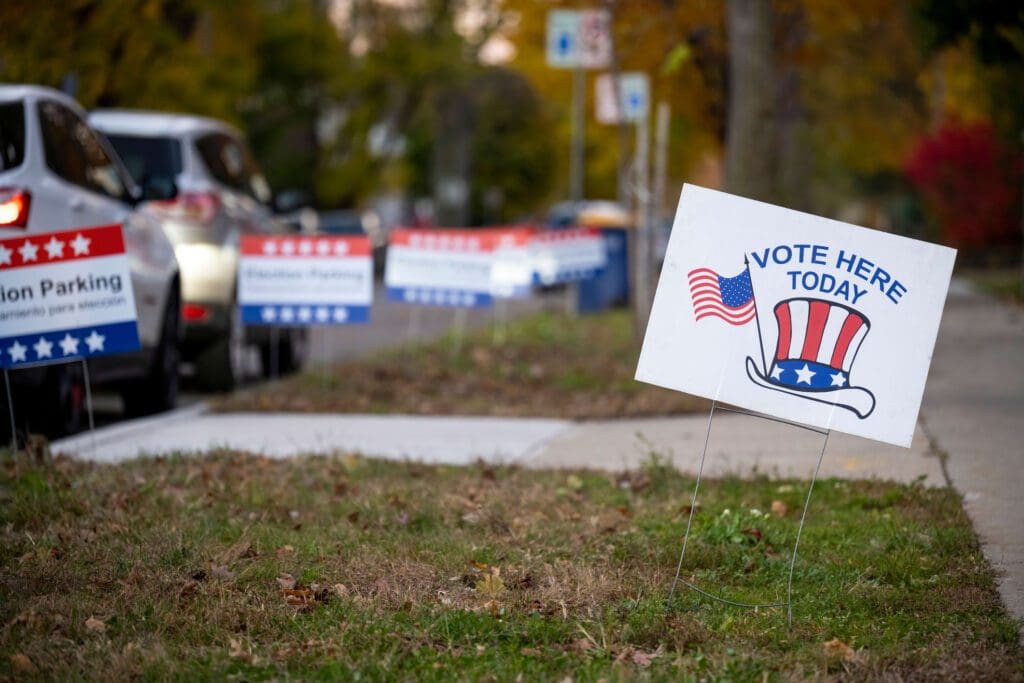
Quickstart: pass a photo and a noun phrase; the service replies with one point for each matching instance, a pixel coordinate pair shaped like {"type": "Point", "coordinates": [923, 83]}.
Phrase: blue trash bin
{"type": "Point", "coordinates": [610, 285]}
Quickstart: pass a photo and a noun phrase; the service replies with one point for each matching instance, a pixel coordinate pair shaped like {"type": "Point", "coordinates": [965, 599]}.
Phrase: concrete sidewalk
{"type": "Point", "coordinates": [739, 445]}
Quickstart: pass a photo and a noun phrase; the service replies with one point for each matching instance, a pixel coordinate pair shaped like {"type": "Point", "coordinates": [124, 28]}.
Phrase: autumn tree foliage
{"type": "Point", "coordinates": [971, 183]}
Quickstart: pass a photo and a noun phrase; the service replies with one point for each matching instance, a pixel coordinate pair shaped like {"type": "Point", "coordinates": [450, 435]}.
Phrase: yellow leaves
{"type": "Point", "coordinates": [491, 584]}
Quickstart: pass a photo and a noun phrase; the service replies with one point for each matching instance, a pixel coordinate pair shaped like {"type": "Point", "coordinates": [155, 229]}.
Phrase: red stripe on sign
{"type": "Point", "coordinates": [304, 246]}
{"type": "Point", "coordinates": [846, 335]}
{"type": "Point", "coordinates": [817, 316]}
{"type": "Point", "coordinates": [568, 235]}
{"type": "Point", "coordinates": [38, 249]}
{"type": "Point", "coordinates": [447, 239]}
{"type": "Point", "coordinates": [785, 331]}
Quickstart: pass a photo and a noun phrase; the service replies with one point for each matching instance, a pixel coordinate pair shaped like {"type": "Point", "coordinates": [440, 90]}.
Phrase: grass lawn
{"type": "Point", "coordinates": [548, 365]}
{"type": "Point", "coordinates": [235, 567]}
{"type": "Point", "coordinates": [1006, 284]}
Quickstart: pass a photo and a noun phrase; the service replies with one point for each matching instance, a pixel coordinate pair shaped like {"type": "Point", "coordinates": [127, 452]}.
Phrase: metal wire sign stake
{"type": "Point", "coordinates": [788, 604]}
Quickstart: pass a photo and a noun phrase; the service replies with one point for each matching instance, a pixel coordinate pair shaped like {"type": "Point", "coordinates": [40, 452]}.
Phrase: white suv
{"type": "Point", "coordinates": [57, 173]}
{"type": "Point", "coordinates": [222, 195]}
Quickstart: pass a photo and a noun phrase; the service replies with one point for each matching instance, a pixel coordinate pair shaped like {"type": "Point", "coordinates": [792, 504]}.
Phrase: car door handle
{"type": "Point", "coordinates": [77, 204]}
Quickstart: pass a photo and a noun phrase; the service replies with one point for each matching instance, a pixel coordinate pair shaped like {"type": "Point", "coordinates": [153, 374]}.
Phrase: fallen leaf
{"type": "Point", "coordinates": [94, 624]}
{"type": "Point", "coordinates": [340, 590]}
{"type": "Point", "coordinates": [286, 581]}
{"type": "Point", "coordinates": [530, 652]}
{"type": "Point", "coordinates": [285, 550]}
{"type": "Point", "coordinates": [22, 664]}
{"type": "Point", "coordinates": [490, 584]}
{"type": "Point", "coordinates": [779, 508]}
{"type": "Point", "coordinates": [837, 649]}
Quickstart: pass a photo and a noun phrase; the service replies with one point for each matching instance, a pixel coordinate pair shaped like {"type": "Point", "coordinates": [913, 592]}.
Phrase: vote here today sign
{"type": "Point", "coordinates": [796, 316]}
{"type": "Point", "coordinates": [65, 295]}
{"type": "Point", "coordinates": [305, 280]}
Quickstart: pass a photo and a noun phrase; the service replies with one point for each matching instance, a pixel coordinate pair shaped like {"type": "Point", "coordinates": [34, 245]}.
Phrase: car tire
{"type": "Point", "coordinates": [221, 366]}
{"type": "Point", "coordinates": [158, 390]}
{"type": "Point", "coordinates": [292, 349]}
{"type": "Point", "coordinates": [60, 404]}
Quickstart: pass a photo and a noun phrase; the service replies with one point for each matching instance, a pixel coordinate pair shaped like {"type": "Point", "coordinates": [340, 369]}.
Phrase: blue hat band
{"type": "Point", "coordinates": [807, 375]}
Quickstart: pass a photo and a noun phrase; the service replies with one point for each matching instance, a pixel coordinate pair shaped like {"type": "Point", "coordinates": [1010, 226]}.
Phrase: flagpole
{"type": "Point", "coordinates": [757, 319]}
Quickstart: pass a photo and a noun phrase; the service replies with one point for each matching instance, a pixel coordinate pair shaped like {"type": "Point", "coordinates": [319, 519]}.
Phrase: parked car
{"type": "Point", "coordinates": [222, 195]}
{"type": "Point", "coordinates": [58, 173]}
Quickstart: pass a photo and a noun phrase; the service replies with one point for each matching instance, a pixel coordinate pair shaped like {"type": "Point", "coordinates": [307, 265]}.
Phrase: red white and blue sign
{"type": "Point", "coordinates": [64, 296]}
{"type": "Point", "coordinates": [796, 316]}
{"type": "Point", "coordinates": [567, 255]}
{"type": "Point", "coordinates": [305, 280]}
{"type": "Point", "coordinates": [448, 268]}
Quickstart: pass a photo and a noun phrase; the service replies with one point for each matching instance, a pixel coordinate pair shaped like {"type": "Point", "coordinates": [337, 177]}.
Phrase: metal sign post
{"type": "Point", "coordinates": [10, 411]}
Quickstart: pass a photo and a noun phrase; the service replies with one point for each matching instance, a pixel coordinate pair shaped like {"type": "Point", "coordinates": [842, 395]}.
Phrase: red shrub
{"type": "Point", "coordinates": [971, 183]}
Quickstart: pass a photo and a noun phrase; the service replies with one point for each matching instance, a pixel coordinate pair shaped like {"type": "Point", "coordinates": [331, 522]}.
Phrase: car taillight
{"type": "Point", "coordinates": [196, 207]}
{"type": "Point", "coordinates": [14, 205]}
{"type": "Point", "coordinates": [194, 313]}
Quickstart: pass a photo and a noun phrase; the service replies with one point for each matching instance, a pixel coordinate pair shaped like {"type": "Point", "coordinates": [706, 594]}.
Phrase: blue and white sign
{"type": "Point", "coordinates": [579, 39]}
{"type": "Point", "coordinates": [567, 255]}
{"type": "Point", "coordinates": [796, 316]}
{"type": "Point", "coordinates": [449, 268]}
{"type": "Point", "coordinates": [305, 280]}
{"type": "Point", "coordinates": [633, 103]}
{"type": "Point", "coordinates": [64, 296]}
{"type": "Point", "coordinates": [563, 48]}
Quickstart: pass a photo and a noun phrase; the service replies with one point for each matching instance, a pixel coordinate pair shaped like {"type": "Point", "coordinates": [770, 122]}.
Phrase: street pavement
{"type": "Point", "coordinates": [969, 436]}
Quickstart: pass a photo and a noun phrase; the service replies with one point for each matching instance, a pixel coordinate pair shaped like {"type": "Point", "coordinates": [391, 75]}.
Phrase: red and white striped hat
{"type": "Point", "coordinates": [817, 344]}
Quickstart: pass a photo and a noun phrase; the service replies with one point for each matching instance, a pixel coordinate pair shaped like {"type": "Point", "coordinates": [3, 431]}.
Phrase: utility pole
{"type": "Point", "coordinates": [579, 120]}
{"type": "Point", "coordinates": [642, 259]}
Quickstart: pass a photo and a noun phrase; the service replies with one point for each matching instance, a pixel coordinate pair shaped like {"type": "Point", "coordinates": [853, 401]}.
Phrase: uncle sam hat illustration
{"type": "Point", "coordinates": [817, 345]}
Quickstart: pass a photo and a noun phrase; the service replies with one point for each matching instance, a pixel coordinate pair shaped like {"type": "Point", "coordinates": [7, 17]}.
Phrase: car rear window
{"type": "Point", "coordinates": [12, 134]}
{"type": "Point", "coordinates": [148, 156]}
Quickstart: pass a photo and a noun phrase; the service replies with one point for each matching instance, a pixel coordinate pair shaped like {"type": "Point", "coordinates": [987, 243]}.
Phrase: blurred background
{"type": "Point", "coordinates": [905, 116]}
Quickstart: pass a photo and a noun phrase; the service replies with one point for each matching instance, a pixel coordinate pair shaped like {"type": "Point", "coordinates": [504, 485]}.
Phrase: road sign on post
{"type": "Point", "coordinates": [579, 39]}
{"type": "Point", "coordinates": [633, 102]}
{"type": "Point", "coordinates": [563, 39]}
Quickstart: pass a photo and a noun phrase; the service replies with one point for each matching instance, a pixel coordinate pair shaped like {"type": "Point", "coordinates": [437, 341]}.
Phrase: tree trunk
{"type": "Point", "coordinates": [750, 159]}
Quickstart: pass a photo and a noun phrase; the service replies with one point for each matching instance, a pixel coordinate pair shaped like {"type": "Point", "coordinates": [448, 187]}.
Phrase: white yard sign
{"type": "Point", "coordinates": [796, 316]}
{"type": "Point", "coordinates": [65, 295]}
{"type": "Point", "coordinates": [305, 280]}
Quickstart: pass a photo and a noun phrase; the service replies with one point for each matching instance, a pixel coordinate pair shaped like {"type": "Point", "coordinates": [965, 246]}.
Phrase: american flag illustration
{"type": "Point", "coordinates": [728, 298]}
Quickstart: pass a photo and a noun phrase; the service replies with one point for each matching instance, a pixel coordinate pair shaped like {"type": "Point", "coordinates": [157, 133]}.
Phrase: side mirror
{"type": "Point", "coordinates": [158, 188]}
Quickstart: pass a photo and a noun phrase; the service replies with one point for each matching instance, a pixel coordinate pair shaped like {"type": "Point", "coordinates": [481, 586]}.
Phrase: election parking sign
{"type": "Point", "coordinates": [567, 255]}
{"type": "Point", "coordinates": [305, 280]}
{"type": "Point", "coordinates": [448, 268]}
{"type": "Point", "coordinates": [796, 316]}
{"type": "Point", "coordinates": [512, 268]}
{"type": "Point", "coordinates": [64, 296]}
